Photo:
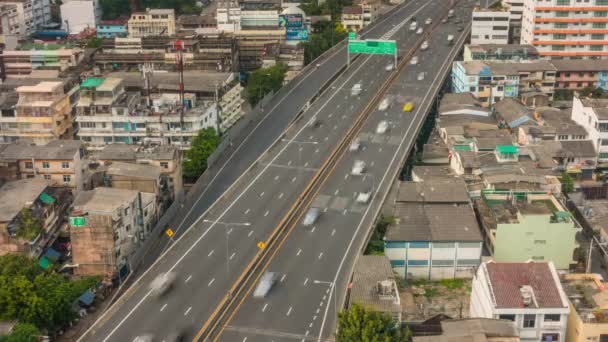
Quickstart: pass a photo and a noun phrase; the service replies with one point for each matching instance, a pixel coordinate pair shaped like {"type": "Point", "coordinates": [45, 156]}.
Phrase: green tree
{"type": "Point", "coordinates": [376, 242]}
{"type": "Point", "coordinates": [563, 95]}
{"type": "Point", "coordinates": [359, 324]}
{"type": "Point", "coordinates": [30, 226]}
{"type": "Point", "coordinates": [22, 332]}
{"type": "Point", "coordinates": [94, 43]}
{"type": "Point", "coordinates": [202, 147]}
{"type": "Point", "coordinates": [567, 183]}
{"type": "Point", "coordinates": [324, 36]}
{"type": "Point", "coordinates": [113, 9]}
{"type": "Point", "coordinates": [263, 81]}
{"type": "Point", "coordinates": [592, 92]}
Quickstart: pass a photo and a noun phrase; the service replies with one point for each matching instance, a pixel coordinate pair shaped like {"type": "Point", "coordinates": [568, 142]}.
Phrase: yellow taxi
{"type": "Point", "coordinates": [408, 107]}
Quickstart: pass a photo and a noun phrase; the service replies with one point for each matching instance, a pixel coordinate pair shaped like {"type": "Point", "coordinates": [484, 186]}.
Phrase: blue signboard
{"type": "Point", "coordinates": [291, 20]}
{"type": "Point", "coordinates": [300, 34]}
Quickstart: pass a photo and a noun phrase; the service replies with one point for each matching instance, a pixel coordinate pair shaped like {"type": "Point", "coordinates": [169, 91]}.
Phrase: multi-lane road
{"type": "Point", "coordinates": [219, 246]}
{"type": "Point", "coordinates": [302, 304]}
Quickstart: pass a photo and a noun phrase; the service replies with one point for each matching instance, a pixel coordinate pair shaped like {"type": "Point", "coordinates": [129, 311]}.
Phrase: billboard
{"type": "Point", "coordinates": [300, 33]}
{"type": "Point", "coordinates": [291, 20]}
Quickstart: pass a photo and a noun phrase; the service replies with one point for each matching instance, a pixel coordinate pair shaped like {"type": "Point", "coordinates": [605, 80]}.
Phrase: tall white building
{"type": "Point", "coordinates": [566, 28]}
{"type": "Point", "coordinates": [516, 10]}
{"type": "Point", "coordinates": [228, 16]}
{"type": "Point", "coordinates": [152, 22]}
{"type": "Point", "coordinates": [79, 15]}
{"type": "Point", "coordinates": [529, 294]}
{"type": "Point", "coordinates": [24, 17]}
{"type": "Point", "coordinates": [490, 26]}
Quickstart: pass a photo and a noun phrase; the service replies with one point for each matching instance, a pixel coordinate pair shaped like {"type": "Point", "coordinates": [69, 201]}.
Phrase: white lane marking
{"type": "Point", "coordinates": [318, 310]}
{"type": "Point", "coordinates": [336, 192]}
{"type": "Point", "coordinates": [314, 318]}
{"type": "Point", "coordinates": [299, 251]}
{"type": "Point", "coordinates": [232, 256]}
{"type": "Point", "coordinates": [313, 229]}
{"type": "Point", "coordinates": [283, 277]}
{"type": "Point", "coordinates": [371, 164]}
{"type": "Point", "coordinates": [346, 176]}
{"type": "Point", "coordinates": [265, 306]}
{"type": "Point", "coordinates": [188, 279]}
{"type": "Point", "coordinates": [310, 325]}
{"type": "Point", "coordinates": [280, 195]}
{"type": "Point", "coordinates": [245, 339]}
{"type": "Point", "coordinates": [293, 179]}
{"type": "Point", "coordinates": [306, 164]}
{"type": "Point", "coordinates": [320, 255]}
{"type": "Point", "coordinates": [250, 233]}
{"type": "Point", "coordinates": [187, 311]}
{"type": "Point", "coordinates": [325, 209]}
{"type": "Point", "coordinates": [288, 311]}
{"type": "Point", "coordinates": [210, 282]}
{"type": "Point", "coordinates": [276, 178]}
{"type": "Point", "coordinates": [266, 213]}
{"type": "Point", "coordinates": [211, 253]}
{"type": "Point", "coordinates": [305, 281]}
{"type": "Point", "coordinates": [197, 241]}
{"type": "Point", "coordinates": [163, 308]}
{"type": "Point", "coordinates": [247, 211]}
{"type": "Point", "coordinates": [229, 231]}
{"type": "Point", "coordinates": [380, 149]}
{"type": "Point", "coordinates": [381, 181]}
{"type": "Point", "coordinates": [289, 163]}
{"type": "Point", "coordinates": [307, 332]}
{"type": "Point", "coordinates": [344, 212]}
{"type": "Point", "coordinates": [317, 151]}
{"type": "Point", "coordinates": [262, 194]}
{"type": "Point", "coordinates": [333, 232]}
{"type": "Point", "coordinates": [326, 138]}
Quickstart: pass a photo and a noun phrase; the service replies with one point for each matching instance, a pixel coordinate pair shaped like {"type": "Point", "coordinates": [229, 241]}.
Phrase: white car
{"type": "Point", "coordinates": [420, 76]}
{"type": "Point", "coordinates": [420, 30]}
{"type": "Point", "coordinates": [384, 104]}
{"type": "Point", "coordinates": [413, 26]}
{"type": "Point", "coordinates": [414, 60]}
{"type": "Point", "coordinates": [363, 197]}
{"type": "Point", "coordinates": [389, 67]}
{"type": "Point", "coordinates": [382, 127]}
{"type": "Point", "coordinates": [355, 145]}
{"type": "Point", "coordinates": [428, 21]}
{"type": "Point", "coordinates": [162, 283]}
{"type": "Point", "coordinates": [144, 338]}
{"type": "Point", "coordinates": [424, 46]}
{"type": "Point", "coordinates": [356, 90]}
{"type": "Point", "coordinates": [358, 168]}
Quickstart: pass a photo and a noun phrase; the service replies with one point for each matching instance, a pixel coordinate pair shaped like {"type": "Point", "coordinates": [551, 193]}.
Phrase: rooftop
{"type": "Point", "coordinates": [352, 10]}
{"type": "Point", "coordinates": [461, 102]}
{"type": "Point", "coordinates": [513, 112]}
{"type": "Point", "coordinates": [474, 330]}
{"type": "Point", "coordinates": [452, 190]}
{"type": "Point", "coordinates": [194, 81]}
{"type": "Point", "coordinates": [506, 49]}
{"type": "Point", "coordinates": [505, 208]}
{"type": "Point", "coordinates": [42, 87]}
{"type": "Point", "coordinates": [578, 149]}
{"type": "Point", "coordinates": [434, 222]}
{"type": "Point", "coordinates": [432, 172]}
{"type": "Point", "coordinates": [133, 170]}
{"type": "Point", "coordinates": [169, 11]}
{"type": "Point", "coordinates": [593, 65]}
{"type": "Point", "coordinates": [54, 150]}
{"type": "Point", "coordinates": [135, 152]}
{"type": "Point", "coordinates": [368, 272]}
{"type": "Point", "coordinates": [104, 200]}
{"type": "Point", "coordinates": [507, 279]}
{"type": "Point", "coordinates": [15, 195]}
{"type": "Point", "coordinates": [561, 121]}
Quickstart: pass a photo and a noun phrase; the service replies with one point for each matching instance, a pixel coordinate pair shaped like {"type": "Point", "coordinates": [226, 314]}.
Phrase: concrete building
{"type": "Point", "coordinates": [516, 9]}
{"type": "Point", "coordinates": [34, 199]}
{"type": "Point", "coordinates": [352, 18]}
{"type": "Point", "coordinates": [529, 294]}
{"type": "Point", "coordinates": [500, 52]}
{"type": "Point", "coordinates": [42, 114]}
{"type": "Point", "coordinates": [371, 10]}
{"type": "Point", "coordinates": [112, 28]}
{"type": "Point", "coordinates": [474, 329]}
{"type": "Point", "coordinates": [60, 162]}
{"type": "Point", "coordinates": [374, 286]}
{"type": "Point", "coordinates": [592, 114]}
{"type": "Point", "coordinates": [578, 74]}
{"type": "Point", "coordinates": [566, 28]}
{"type": "Point", "coordinates": [166, 157]}
{"type": "Point", "coordinates": [527, 226]}
{"type": "Point", "coordinates": [107, 225]}
{"type": "Point", "coordinates": [80, 15]}
{"type": "Point", "coordinates": [152, 22]}
{"type": "Point", "coordinates": [435, 235]}
{"type": "Point", "coordinates": [23, 62]}
{"type": "Point", "coordinates": [490, 26]}
{"type": "Point", "coordinates": [588, 319]}
{"type": "Point", "coordinates": [228, 15]}
{"type": "Point", "coordinates": [231, 107]}
{"type": "Point", "coordinates": [25, 16]}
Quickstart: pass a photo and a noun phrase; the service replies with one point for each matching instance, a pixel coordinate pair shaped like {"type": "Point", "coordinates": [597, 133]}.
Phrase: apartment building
{"type": "Point", "coordinates": [588, 319]}
{"type": "Point", "coordinates": [152, 22]}
{"type": "Point", "coordinates": [500, 52]}
{"type": "Point", "coordinates": [529, 294]}
{"type": "Point", "coordinates": [80, 15]}
{"type": "Point", "coordinates": [112, 28]}
{"type": "Point", "coordinates": [371, 10]}
{"type": "Point", "coordinates": [42, 113]}
{"type": "Point", "coordinates": [521, 226]}
{"type": "Point", "coordinates": [60, 162]}
{"type": "Point", "coordinates": [352, 18]}
{"type": "Point", "coordinates": [566, 28]}
{"type": "Point", "coordinates": [228, 15]}
{"type": "Point", "coordinates": [592, 114]}
{"type": "Point", "coordinates": [579, 74]}
{"type": "Point", "coordinates": [516, 9]}
{"type": "Point", "coordinates": [23, 62]}
{"type": "Point", "coordinates": [490, 26]}
{"type": "Point", "coordinates": [24, 17]}
{"type": "Point", "coordinates": [107, 226]}
{"type": "Point", "coordinates": [35, 200]}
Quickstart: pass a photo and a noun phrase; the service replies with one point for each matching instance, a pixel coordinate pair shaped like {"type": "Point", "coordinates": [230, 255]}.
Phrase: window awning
{"type": "Point", "coordinates": [46, 198]}
{"type": "Point", "coordinates": [87, 298]}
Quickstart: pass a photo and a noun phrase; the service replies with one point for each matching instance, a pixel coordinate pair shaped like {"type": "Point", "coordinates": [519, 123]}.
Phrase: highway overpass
{"type": "Point", "coordinates": [217, 257]}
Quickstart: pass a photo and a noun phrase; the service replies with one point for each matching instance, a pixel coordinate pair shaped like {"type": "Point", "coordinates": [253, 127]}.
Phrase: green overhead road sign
{"type": "Point", "coordinates": [373, 47]}
{"type": "Point", "coordinates": [78, 221]}
{"type": "Point", "coordinates": [352, 36]}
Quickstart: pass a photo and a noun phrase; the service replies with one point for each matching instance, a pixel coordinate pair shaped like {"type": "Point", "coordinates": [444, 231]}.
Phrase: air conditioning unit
{"type": "Point", "coordinates": [385, 287]}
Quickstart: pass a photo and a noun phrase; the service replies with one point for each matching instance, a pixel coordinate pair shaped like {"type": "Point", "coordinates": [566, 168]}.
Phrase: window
{"type": "Point", "coordinates": [29, 165]}
{"type": "Point", "coordinates": [550, 337]}
{"type": "Point", "coordinates": [443, 262]}
{"type": "Point", "coordinates": [603, 127]}
{"type": "Point", "coordinates": [417, 262]}
{"type": "Point", "coordinates": [397, 263]}
{"type": "Point", "coordinates": [597, 36]}
{"type": "Point", "coordinates": [128, 227]}
{"type": "Point", "coordinates": [472, 89]}
{"type": "Point", "coordinates": [560, 14]}
{"type": "Point", "coordinates": [529, 321]}
{"type": "Point", "coordinates": [394, 244]}
{"type": "Point", "coordinates": [467, 262]}
{"type": "Point", "coordinates": [507, 317]}
{"type": "Point", "coordinates": [47, 177]}
{"type": "Point", "coordinates": [552, 318]}
{"type": "Point", "coordinates": [558, 48]}
{"type": "Point", "coordinates": [562, 137]}
{"type": "Point", "coordinates": [67, 178]}
{"type": "Point", "coordinates": [540, 242]}
{"type": "Point", "coordinates": [87, 125]}
{"type": "Point", "coordinates": [559, 36]}
{"type": "Point", "coordinates": [46, 165]}
{"type": "Point", "coordinates": [562, 2]}
{"type": "Point", "coordinates": [164, 165]}
{"type": "Point", "coordinates": [560, 25]}
{"type": "Point", "coordinates": [538, 257]}
{"type": "Point", "coordinates": [65, 165]}
{"type": "Point", "coordinates": [600, 14]}
{"type": "Point", "coordinates": [599, 25]}
{"type": "Point", "coordinates": [419, 245]}
{"type": "Point", "coordinates": [596, 48]}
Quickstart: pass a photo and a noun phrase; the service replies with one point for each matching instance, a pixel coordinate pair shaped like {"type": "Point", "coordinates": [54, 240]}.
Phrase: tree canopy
{"type": "Point", "coordinates": [31, 295]}
{"type": "Point", "coordinates": [324, 36]}
{"type": "Point", "coordinates": [202, 147]}
{"type": "Point", "coordinates": [22, 332]}
{"type": "Point", "coordinates": [263, 81]}
{"type": "Point", "coordinates": [30, 226]}
{"type": "Point", "coordinates": [567, 183]}
{"type": "Point", "coordinates": [358, 324]}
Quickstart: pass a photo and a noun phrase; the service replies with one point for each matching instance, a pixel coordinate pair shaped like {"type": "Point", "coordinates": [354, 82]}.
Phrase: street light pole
{"type": "Point", "coordinates": [300, 148]}
{"type": "Point", "coordinates": [227, 225]}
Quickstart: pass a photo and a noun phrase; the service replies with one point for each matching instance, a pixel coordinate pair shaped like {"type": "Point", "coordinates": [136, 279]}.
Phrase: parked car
{"type": "Point", "coordinates": [144, 338]}
{"type": "Point", "coordinates": [355, 145]}
{"type": "Point", "coordinates": [413, 26]}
